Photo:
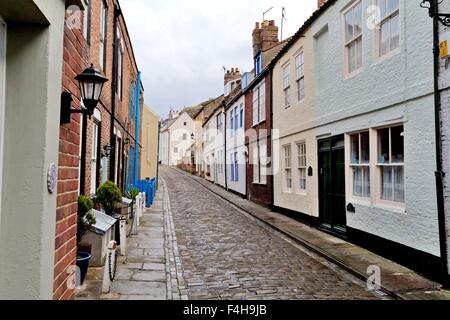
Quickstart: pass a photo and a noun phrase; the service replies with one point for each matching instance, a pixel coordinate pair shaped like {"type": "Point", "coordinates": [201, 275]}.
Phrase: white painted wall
{"type": "Point", "coordinates": [214, 148]}
{"type": "Point", "coordinates": [236, 144]}
{"type": "Point", "coordinates": [183, 127]}
{"type": "Point", "coordinates": [395, 89]}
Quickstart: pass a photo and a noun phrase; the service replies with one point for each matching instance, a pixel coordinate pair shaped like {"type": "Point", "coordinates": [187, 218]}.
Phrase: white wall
{"type": "Point", "coordinates": [236, 144]}
{"type": "Point", "coordinates": [184, 126]}
{"type": "Point", "coordinates": [214, 148]}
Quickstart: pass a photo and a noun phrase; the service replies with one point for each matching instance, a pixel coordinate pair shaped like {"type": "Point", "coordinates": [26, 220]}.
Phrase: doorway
{"type": "Point", "coordinates": [332, 211]}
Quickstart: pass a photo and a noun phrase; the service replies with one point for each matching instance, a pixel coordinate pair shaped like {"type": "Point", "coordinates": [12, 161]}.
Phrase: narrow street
{"type": "Point", "coordinates": [226, 254]}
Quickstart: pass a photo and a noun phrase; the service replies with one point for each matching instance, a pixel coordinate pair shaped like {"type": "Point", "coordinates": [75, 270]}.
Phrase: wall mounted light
{"type": "Point", "coordinates": [91, 83]}
{"type": "Point", "coordinates": [106, 151]}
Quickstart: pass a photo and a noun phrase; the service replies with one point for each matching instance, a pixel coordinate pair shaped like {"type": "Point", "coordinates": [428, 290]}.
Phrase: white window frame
{"type": "Point", "coordinates": [287, 85]}
{"type": "Point", "coordinates": [287, 168]}
{"type": "Point", "coordinates": [382, 20]}
{"type": "Point", "coordinates": [86, 26]}
{"type": "Point", "coordinates": [390, 164]}
{"type": "Point", "coordinates": [352, 41]}
{"type": "Point", "coordinates": [302, 165]}
{"type": "Point", "coordinates": [259, 103]}
{"type": "Point", "coordinates": [103, 34]}
{"type": "Point", "coordinates": [120, 60]}
{"type": "Point", "coordinates": [360, 165]}
{"type": "Point", "coordinates": [256, 172]}
{"type": "Point", "coordinates": [300, 75]}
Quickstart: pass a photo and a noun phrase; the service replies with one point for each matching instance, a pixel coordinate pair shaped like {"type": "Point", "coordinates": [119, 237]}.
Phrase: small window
{"type": "Point", "coordinates": [175, 150]}
{"type": "Point", "coordinates": [391, 164]}
{"type": "Point", "coordinates": [389, 28]}
{"type": "Point", "coordinates": [287, 85]}
{"type": "Point", "coordinates": [353, 38]}
{"type": "Point", "coordinates": [302, 169]}
{"type": "Point", "coordinates": [103, 33]}
{"type": "Point", "coordinates": [300, 75]}
{"type": "Point", "coordinates": [184, 136]}
{"type": "Point", "coordinates": [242, 116]}
{"type": "Point", "coordinates": [288, 168]}
{"type": "Point", "coordinates": [236, 120]}
{"type": "Point", "coordinates": [185, 124]}
{"type": "Point", "coordinates": [360, 164]}
{"type": "Point", "coordinates": [86, 21]}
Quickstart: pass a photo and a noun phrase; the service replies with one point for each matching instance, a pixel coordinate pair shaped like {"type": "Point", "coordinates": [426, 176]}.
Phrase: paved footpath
{"type": "Point", "coordinates": [152, 268]}
{"type": "Point", "coordinates": [227, 254]}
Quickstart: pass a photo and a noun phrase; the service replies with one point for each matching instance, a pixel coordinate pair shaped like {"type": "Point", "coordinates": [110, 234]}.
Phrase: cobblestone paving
{"type": "Point", "coordinates": [225, 254]}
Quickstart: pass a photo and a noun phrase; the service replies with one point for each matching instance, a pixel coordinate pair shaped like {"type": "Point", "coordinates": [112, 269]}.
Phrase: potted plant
{"type": "Point", "coordinates": [85, 221]}
{"type": "Point", "coordinates": [108, 196]}
{"type": "Point", "coordinates": [132, 194]}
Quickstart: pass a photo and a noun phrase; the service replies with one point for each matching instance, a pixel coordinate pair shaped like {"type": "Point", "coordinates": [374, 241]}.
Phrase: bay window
{"type": "Point", "coordinates": [389, 27]}
{"type": "Point", "coordinates": [391, 164]}
{"type": "Point", "coordinates": [353, 38]}
{"type": "Point", "coordinates": [360, 164]}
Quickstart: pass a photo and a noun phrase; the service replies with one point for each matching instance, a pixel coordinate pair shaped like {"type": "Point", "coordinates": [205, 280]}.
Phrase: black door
{"type": "Point", "coordinates": [332, 211]}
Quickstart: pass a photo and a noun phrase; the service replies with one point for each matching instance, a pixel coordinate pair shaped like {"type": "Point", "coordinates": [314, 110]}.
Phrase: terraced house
{"type": "Point", "coordinates": [355, 112]}
{"type": "Point", "coordinates": [62, 154]}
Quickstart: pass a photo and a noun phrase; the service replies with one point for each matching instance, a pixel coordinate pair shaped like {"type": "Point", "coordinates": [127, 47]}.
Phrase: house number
{"type": "Point", "coordinates": [52, 178]}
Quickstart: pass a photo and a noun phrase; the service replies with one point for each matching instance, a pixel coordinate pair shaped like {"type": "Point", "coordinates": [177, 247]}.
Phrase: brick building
{"type": "Point", "coordinates": [258, 122]}
{"type": "Point", "coordinates": [112, 133]}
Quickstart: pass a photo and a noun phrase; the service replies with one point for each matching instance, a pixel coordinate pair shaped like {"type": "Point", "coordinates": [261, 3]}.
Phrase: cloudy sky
{"type": "Point", "coordinates": [182, 45]}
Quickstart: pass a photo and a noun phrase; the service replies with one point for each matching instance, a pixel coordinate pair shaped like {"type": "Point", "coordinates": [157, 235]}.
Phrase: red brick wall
{"type": "Point", "coordinates": [76, 58]}
{"type": "Point", "coordinates": [261, 194]}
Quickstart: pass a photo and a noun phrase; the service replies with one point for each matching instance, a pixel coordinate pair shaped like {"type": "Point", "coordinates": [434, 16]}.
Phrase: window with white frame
{"type": "Point", "coordinates": [231, 122]}
{"type": "Point", "coordinates": [360, 164]}
{"type": "Point", "coordinates": [288, 167]}
{"type": "Point", "coordinates": [391, 164]}
{"type": "Point", "coordinates": [259, 103]}
{"type": "Point", "coordinates": [175, 150]}
{"type": "Point", "coordinates": [389, 26]}
{"type": "Point", "coordinates": [302, 168]}
{"type": "Point", "coordinates": [219, 122]}
{"type": "Point", "coordinates": [232, 166]}
{"type": "Point", "coordinates": [353, 37]}
{"type": "Point", "coordinates": [86, 20]}
{"type": "Point", "coordinates": [103, 33]}
{"type": "Point", "coordinates": [184, 136]}
{"type": "Point", "coordinates": [120, 69]}
{"type": "Point", "coordinates": [236, 120]}
{"type": "Point", "coordinates": [300, 75]}
{"type": "Point", "coordinates": [287, 85]}
{"type": "Point", "coordinates": [255, 162]}
{"type": "Point", "coordinates": [242, 115]}
{"type": "Point", "coordinates": [263, 161]}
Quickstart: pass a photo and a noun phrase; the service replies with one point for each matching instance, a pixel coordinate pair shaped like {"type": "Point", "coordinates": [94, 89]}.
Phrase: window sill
{"type": "Point", "coordinates": [287, 191]}
{"type": "Point", "coordinates": [302, 193]}
{"type": "Point", "coordinates": [353, 74]}
{"type": "Point", "coordinates": [379, 59]}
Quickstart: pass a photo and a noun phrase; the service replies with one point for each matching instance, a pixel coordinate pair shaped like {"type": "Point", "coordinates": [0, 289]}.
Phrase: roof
{"type": "Point", "coordinates": [212, 106]}
{"type": "Point", "coordinates": [193, 111]}
{"type": "Point", "coordinates": [103, 222]}
{"type": "Point", "coordinates": [316, 14]}
{"type": "Point", "coordinates": [235, 94]}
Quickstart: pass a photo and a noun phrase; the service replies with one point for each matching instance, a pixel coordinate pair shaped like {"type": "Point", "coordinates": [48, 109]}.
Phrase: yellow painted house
{"type": "Point", "coordinates": [150, 143]}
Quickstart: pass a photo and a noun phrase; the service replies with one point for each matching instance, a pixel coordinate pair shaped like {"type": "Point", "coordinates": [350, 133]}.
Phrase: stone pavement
{"type": "Point", "coordinates": [152, 269]}
{"type": "Point", "coordinates": [228, 254]}
{"type": "Point", "coordinates": [396, 280]}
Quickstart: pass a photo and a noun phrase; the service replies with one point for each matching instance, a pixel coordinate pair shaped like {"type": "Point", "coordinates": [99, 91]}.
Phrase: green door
{"type": "Point", "coordinates": [332, 212]}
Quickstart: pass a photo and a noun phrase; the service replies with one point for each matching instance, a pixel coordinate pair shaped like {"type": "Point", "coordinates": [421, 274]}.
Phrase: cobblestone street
{"type": "Point", "coordinates": [227, 254]}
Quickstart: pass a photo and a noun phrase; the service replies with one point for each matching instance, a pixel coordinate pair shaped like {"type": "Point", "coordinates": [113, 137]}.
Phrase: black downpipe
{"type": "Point", "coordinates": [83, 155]}
{"type": "Point", "coordinates": [112, 157]}
{"type": "Point", "coordinates": [434, 11]}
{"type": "Point", "coordinates": [157, 155]}
{"type": "Point", "coordinates": [271, 137]}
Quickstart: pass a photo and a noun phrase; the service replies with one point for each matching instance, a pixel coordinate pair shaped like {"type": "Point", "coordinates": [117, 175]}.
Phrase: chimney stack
{"type": "Point", "coordinates": [264, 37]}
{"type": "Point", "coordinates": [321, 2]}
{"type": "Point", "coordinates": [232, 75]}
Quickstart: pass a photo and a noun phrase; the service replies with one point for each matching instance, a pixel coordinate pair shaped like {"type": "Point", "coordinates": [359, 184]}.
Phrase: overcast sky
{"type": "Point", "coordinates": [182, 45]}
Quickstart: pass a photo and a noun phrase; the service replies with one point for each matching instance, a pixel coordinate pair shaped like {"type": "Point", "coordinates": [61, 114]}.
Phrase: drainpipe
{"type": "Point", "coordinates": [434, 11]}
{"type": "Point", "coordinates": [83, 155]}
{"type": "Point", "coordinates": [271, 135]}
{"type": "Point", "coordinates": [112, 142]}
{"type": "Point", "coordinates": [157, 155]}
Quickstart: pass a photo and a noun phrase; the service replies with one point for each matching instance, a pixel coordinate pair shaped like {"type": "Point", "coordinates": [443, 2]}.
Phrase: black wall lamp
{"type": "Point", "coordinates": [106, 151]}
{"type": "Point", "coordinates": [432, 6]}
{"type": "Point", "coordinates": [91, 85]}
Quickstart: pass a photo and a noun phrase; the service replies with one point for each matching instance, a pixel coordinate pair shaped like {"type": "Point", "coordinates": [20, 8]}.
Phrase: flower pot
{"type": "Point", "coordinates": [83, 259]}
